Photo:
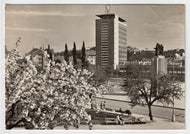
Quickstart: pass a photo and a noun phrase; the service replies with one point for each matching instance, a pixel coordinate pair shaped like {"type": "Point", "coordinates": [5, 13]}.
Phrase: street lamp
{"type": "Point", "coordinates": [173, 111]}
{"type": "Point", "coordinates": [173, 108]}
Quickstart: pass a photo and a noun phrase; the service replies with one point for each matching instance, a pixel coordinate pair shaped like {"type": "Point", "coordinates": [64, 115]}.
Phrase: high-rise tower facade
{"type": "Point", "coordinates": [111, 41]}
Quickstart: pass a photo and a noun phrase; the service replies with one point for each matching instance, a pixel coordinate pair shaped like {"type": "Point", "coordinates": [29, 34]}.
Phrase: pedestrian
{"type": "Point", "coordinates": [121, 120]}
{"type": "Point", "coordinates": [90, 122]}
{"type": "Point", "coordinates": [90, 125]}
{"type": "Point", "coordinates": [118, 120]}
{"type": "Point", "coordinates": [101, 105]}
{"type": "Point", "coordinates": [120, 110]}
{"type": "Point", "coordinates": [104, 105]}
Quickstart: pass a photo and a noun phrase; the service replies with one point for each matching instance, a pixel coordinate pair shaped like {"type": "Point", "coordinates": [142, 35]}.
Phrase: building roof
{"type": "Point", "coordinates": [91, 53]}
{"type": "Point", "coordinates": [35, 51]}
{"type": "Point", "coordinates": [110, 16]}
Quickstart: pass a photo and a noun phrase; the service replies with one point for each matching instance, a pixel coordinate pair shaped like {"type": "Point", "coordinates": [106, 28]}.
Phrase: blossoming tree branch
{"type": "Point", "coordinates": [56, 96]}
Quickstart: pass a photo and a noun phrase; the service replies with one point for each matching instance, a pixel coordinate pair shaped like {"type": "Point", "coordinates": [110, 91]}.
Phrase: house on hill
{"type": "Point", "coordinates": [41, 57]}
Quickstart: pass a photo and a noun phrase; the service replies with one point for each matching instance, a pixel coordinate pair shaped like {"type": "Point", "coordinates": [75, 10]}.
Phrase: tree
{"type": "Point", "coordinates": [57, 96]}
{"type": "Point", "coordinates": [101, 76]}
{"type": "Point", "coordinates": [74, 55]}
{"type": "Point", "coordinates": [66, 54]}
{"type": "Point", "coordinates": [143, 88]}
{"type": "Point", "coordinates": [83, 51]}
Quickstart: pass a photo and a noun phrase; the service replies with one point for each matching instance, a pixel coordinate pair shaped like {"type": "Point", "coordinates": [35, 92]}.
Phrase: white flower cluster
{"type": "Point", "coordinates": [50, 98]}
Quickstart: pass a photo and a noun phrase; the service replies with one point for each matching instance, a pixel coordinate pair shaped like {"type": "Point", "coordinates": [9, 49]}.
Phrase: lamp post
{"type": "Point", "coordinates": [173, 108]}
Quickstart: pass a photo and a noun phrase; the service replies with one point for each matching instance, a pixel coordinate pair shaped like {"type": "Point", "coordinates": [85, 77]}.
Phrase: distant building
{"type": "Point", "coordinates": [176, 69]}
{"type": "Point", "coordinates": [91, 56]}
{"type": "Point", "coordinates": [79, 63]}
{"type": "Point", "coordinates": [70, 60]}
{"type": "Point", "coordinates": [179, 57]}
{"type": "Point", "coordinates": [177, 65]}
{"type": "Point", "coordinates": [59, 57]}
{"type": "Point", "coordinates": [39, 58]}
{"type": "Point", "coordinates": [111, 41]}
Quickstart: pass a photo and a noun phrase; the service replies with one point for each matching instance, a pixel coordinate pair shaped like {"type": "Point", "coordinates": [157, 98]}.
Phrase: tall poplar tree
{"type": "Point", "coordinates": [74, 55]}
{"type": "Point", "coordinates": [66, 54]}
{"type": "Point", "coordinates": [83, 51]}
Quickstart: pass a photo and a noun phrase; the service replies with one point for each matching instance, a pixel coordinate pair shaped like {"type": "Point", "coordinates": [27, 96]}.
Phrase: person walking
{"type": "Point", "coordinates": [101, 105]}
{"type": "Point", "coordinates": [90, 125]}
{"type": "Point", "coordinates": [90, 122]}
{"type": "Point", "coordinates": [119, 120]}
{"type": "Point", "coordinates": [104, 105]}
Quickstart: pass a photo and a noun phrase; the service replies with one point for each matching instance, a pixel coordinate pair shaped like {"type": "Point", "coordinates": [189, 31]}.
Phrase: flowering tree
{"type": "Point", "coordinates": [59, 95]}
{"type": "Point", "coordinates": [142, 87]}
{"type": "Point", "coordinates": [74, 55]}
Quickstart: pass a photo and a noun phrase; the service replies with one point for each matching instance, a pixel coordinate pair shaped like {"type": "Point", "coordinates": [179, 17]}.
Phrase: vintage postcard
{"type": "Point", "coordinates": [94, 67]}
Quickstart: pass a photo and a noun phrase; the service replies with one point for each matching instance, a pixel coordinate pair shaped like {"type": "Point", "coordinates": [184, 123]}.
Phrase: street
{"type": "Point", "coordinates": [157, 111]}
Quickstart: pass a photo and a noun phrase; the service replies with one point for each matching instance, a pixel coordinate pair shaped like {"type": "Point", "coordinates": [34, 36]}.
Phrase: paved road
{"type": "Point", "coordinates": [123, 97]}
{"type": "Point", "coordinates": [161, 112]}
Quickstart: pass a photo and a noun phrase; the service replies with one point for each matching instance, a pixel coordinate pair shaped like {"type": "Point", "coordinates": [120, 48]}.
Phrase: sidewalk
{"type": "Point", "coordinates": [157, 124]}
{"type": "Point", "coordinates": [161, 124]}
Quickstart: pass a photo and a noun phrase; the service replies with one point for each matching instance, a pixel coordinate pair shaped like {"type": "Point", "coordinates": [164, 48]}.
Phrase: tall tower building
{"type": "Point", "coordinates": [111, 41]}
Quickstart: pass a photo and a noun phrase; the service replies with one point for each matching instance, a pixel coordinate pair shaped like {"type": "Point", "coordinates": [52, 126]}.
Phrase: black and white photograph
{"type": "Point", "coordinates": [94, 67]}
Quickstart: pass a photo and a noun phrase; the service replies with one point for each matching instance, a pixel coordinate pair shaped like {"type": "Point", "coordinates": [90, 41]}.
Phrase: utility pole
{"type": "Point", "coordinates": [173, 110]}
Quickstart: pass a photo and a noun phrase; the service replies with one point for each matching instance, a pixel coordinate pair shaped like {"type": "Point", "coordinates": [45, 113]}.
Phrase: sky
{"type": "Point", "coordinates": [40, 25]}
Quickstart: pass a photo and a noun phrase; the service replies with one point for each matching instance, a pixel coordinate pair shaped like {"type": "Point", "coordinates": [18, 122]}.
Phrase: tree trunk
{"type": "Point", "coordinates": [150, 112]}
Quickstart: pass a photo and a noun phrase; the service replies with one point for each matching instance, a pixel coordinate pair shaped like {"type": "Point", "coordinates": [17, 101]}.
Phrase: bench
{"type": "Point", "coordinates": [110, 121]}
